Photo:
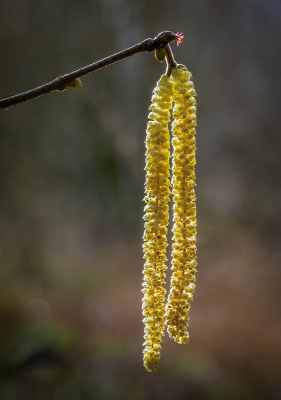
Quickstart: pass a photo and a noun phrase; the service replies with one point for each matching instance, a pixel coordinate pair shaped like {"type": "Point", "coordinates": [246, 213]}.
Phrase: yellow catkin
{"type": "Point", "coordinates": [157, 188]}
{"type": "Point", "coordinates": [184, 209]}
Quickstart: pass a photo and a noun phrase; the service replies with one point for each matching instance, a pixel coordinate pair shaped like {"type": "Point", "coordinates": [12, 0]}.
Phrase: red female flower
{"type": "Point", "coordinates": [168, 36]}
{"type": "Point", "coordinates": [178, 37]}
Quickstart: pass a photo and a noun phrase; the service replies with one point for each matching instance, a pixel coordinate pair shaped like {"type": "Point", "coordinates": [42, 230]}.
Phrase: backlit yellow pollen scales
{"type": "Point", "coordinates": [184, 209]}
{"type": "Point", "coordinates": [156, 217]}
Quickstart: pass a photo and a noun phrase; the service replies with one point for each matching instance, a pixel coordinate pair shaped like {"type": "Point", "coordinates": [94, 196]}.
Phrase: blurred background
{"type": "Point", "coordinates": [71, 184]}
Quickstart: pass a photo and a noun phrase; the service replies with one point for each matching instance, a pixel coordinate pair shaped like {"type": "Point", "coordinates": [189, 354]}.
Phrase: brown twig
{"type": "Point", "coordinates": [63, 81]}
{"type": "Point", "coordinates": [171, 63]}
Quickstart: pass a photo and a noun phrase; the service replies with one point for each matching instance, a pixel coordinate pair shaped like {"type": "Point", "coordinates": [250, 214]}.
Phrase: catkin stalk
{"type": "Point", "coordinates": [184, 209]}
{"type": "Point", "coordinates": [157, 188]}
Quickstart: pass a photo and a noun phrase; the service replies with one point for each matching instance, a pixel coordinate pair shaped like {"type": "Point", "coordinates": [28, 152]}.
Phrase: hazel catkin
{"type": "Point", "coordinates": [184, 208]}
{"type": "Point", "coordinates": [157, 189]}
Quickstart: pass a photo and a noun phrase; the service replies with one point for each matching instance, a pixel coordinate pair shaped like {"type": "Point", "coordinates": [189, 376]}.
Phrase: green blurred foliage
{"type": "Point", "coordinates": [71, 184]}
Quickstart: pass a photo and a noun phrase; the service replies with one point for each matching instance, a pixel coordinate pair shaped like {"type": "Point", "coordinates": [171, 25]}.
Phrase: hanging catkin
{"type": "Point", "coordinates": [157, 188]}
{"type": "Point", "coordinates": [184, 208]}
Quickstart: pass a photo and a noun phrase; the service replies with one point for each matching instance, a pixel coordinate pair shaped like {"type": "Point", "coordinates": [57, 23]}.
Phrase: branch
{"type": "Point", "coordinates": [63, 81]}
{"type": "Point", "coordinates": [171, 62]}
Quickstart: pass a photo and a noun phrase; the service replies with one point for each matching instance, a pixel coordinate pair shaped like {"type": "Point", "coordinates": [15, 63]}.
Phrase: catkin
{"type": "Point", "coordinates": [157, 188]}
{"type": "Point", "coordinates": [184, 208]}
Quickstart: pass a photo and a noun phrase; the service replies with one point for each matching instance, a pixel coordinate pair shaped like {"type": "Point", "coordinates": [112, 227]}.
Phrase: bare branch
{"type": "Point", "coordinates": [63, 81]}
{"type": "Point", "coordinates": [171, 63]}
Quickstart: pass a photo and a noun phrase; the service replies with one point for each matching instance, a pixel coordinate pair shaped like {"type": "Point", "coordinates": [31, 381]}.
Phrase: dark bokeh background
{"type": "Point", "coordinates": [71, 185]}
